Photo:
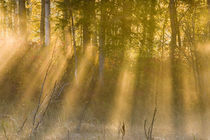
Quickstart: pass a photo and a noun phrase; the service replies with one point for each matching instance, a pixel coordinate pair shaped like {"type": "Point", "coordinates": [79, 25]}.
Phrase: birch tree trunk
{"type": "Point", "coordinates": [47, 22]}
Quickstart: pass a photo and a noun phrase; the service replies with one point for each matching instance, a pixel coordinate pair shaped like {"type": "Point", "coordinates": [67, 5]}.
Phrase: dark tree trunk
{"type": "Point", "coordinates": [102, 30]}
{"type": "Point", "coordinates": [86, 24]}
{"type": "Point", "coordinates": [22, 19]}
{"type": "Point", "coordinates": [208, 3]}
{"type": "Point", "coordinates": [177, 89]}
{"type": "Point", "coordinates": [66, 26]}
{"type": "Point", "coordinates": [88, 12]}
{"type": "Point", "coordinates": [74, 46]}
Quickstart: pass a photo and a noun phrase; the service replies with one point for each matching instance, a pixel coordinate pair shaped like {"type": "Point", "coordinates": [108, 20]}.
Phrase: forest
{"type": "Point", "coordinates": [104, 69]}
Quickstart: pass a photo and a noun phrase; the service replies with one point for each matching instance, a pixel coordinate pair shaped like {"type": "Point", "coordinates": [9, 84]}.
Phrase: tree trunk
{"type": "Point", "coordinates": [177, 89]}
{"type": "Point", "coordinates": [208, 3]}
{"type": "Point", "coordinates": [22, 19]}
{"type": "Point", "coordinates": [16, 16]}
{"type": "Point", "coordinates": [95, 31]}
{"type": "Point", "coordinates": [101, 41]}
{"type": "Point", "coordinates": [87, 12]}
{"type": "Point", "coordinates": [74, 45]}
{"type": "Point", "coordinates": [42, 32]}
{"type": "Point", "coordinates": [47, 22]}
{"type": "Point", "coordinates": [66, 27]}
{"type": "Point", "coordinates": [15, 23]}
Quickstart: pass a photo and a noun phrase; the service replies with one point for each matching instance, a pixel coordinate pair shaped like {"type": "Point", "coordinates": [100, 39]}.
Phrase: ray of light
{"type": "Point", "coordinates": [56, 71]}
{"type": "Point", "coordinates": [73, 93]}
{"type": "Point", "coordinates": [33, 79]}
{"type": "Point", "coordinates": [124, 91]}
{"type": "Point", "coordinates": [8, 51]}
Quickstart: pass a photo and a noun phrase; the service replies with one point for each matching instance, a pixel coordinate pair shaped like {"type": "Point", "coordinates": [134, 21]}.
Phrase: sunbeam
{"type": "Point", "coordinates": [124, 91]}
{"type": "Point", "coordinates": [74, 91]}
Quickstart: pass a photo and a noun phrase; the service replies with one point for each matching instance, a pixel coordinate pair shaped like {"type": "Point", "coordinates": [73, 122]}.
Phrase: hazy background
{"type": "Point", "coordinates": [87, 69]}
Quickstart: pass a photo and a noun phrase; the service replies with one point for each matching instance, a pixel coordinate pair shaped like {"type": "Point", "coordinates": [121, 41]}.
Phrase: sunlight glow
{"type": "Point", "coordinates": [74, 91]}
{"type": "Point", "coordinates": [124, 91]}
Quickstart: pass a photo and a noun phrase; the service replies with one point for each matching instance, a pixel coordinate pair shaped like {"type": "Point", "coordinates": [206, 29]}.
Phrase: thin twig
{"type": "Point", "coordinates": [152, 124]}
{"type": "Point", "coordinates": [145, 129]}
{"type": "Point", "coordinates": [61, 90]}
{"type": "Point", "coordinates": [23, 124]}
{"type": "Point", "coordinates": [148, 133]}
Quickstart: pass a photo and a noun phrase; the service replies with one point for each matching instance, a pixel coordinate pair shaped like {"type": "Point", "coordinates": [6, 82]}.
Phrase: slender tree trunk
{"type": "Point", "coordinates": [101, 41]}
{"type": "Point", "coordinates": [74, 45]}
{"type": "Point", "coordinates": [177, 89]}
{"type": "Point", "coordinates": [66, 27]}
{"type": "Point", "coordinates": [47, 22]}
{"type": "Point", "coordinates": [42, 31]}
{"type": "Point", "coordinates": [197, 67]}
{"type": "Point", "coordinates": [22, 19]}
{"type": "Point", "coordinates": [16, 16]}
{"type": "Point", "coordinates": [151, 26]}
{"type": "Point", "coordinates": [87, 11]}
{"type": "Point", "coordinates": [1, 19]}
{"type": "Point", "coordinates": [95, 32]}
{"type": "Point", "coordinates": [86, 36]}
{"type": "Point", "coordinates": [4, 9]}
{"type": "Point", "coordinates": [208, 3]}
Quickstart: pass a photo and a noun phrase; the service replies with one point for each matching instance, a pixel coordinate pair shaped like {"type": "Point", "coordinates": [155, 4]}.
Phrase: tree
{"type": "Point", "coordinates": [47, 22]}
{"type": "Point", "coordinates": [3, 17]}
{"type": "Point", "coordinates": [177, 89]}
{"type": "Point", "coordinates": [208, 4]}
{"type": "Point", "coordinates": [102, 31]}
{"type": "Point", "coordinates": [42, 21]}
{"type": "Point", "coordinates": [22, 19]}
{"type": "Point", "coordinates": [66, 23]}
{"type": "Point", "coordinates": [74, 45]}
{"type": "Point", "coordinates": [88, 12]}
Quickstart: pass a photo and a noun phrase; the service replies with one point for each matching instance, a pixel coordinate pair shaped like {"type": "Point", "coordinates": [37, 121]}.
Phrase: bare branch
{"type": "Point", "coordinates": [148, 133]}
{"type": "Point", "coordinates": [22, 126]}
